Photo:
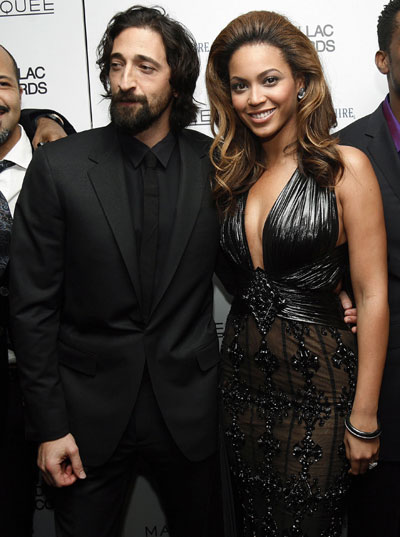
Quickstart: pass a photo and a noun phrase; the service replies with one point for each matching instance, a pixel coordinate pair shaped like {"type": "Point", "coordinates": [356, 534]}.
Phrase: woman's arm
{"type": "Point", "coordinates": [363, 225]}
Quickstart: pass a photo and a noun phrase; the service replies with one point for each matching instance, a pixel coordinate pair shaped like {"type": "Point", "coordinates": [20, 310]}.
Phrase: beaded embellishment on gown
{"type": "Point", "coordinates": [289, 368]}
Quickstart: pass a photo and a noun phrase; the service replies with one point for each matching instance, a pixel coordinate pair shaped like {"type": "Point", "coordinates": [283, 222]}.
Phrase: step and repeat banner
{"type": "Point", "coordinates": [55, 41]}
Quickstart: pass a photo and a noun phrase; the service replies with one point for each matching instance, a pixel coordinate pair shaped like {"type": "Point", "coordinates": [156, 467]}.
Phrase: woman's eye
{"type": "Point", "coordinates": [238, 86]}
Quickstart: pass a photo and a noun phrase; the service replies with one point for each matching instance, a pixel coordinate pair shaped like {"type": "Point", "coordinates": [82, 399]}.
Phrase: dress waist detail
{"type": "Point", "coordinates": [266, 298]}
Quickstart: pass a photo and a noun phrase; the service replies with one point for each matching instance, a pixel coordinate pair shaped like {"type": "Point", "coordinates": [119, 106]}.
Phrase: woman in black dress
{"type": "Point", "coordinates": [299, 213]}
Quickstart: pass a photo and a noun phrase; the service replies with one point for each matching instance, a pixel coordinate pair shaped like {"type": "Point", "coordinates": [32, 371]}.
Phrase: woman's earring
{"type": "Point", "coordinates": [301, 94]}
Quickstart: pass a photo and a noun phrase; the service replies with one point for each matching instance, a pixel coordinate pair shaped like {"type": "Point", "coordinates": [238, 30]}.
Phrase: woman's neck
{"type": "Point", "coordinates": [280, 148]}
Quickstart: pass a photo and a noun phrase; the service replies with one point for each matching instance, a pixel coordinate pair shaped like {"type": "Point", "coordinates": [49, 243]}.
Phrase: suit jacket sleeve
{"type": "Point", "coordinates": [36, 280]}
{"type": "Point", "coordinates": [30, 115]}
{"type": "Point", "coordinates": [225, 272]}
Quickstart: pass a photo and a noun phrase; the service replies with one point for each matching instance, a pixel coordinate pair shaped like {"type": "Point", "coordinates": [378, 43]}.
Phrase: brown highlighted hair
{"type": "Point", "coordinates": [236, 151]}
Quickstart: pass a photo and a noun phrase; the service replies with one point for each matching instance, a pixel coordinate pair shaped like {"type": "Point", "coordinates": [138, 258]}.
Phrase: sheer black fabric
{"type": "Point", "coordinates": [289, 368]}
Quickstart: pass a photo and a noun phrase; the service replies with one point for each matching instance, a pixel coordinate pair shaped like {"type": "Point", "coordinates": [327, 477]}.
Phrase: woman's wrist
{"type": "Point", "coordinates": [364, 429]}
{"type": "Point", "coordinates": [364, 412]}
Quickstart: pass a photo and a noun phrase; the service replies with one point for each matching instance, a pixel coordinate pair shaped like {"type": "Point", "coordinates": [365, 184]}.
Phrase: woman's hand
{"type": "Point", "coordinates": [361, 452]}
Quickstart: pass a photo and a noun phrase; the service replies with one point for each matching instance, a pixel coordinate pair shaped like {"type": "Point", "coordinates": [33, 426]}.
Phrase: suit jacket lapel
{"type": "Point", "coordinates": [108, 179]}
{"type": "Point", "coordinates": [194, 169]}
{"type": "Point", "coordinates": [382, 151]}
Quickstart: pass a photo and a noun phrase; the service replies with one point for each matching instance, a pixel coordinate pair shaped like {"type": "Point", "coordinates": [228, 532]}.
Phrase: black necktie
{"type": "Point", "coordinates": [4, 164]}
{"type": "Point", "coordinates": [149, 243]}
{"type": "Point", "coordinates": [5, 223]}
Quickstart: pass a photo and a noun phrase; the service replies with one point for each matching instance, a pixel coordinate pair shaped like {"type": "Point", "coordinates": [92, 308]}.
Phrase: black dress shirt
{"type": "Point", "coordinates": [168, 171]}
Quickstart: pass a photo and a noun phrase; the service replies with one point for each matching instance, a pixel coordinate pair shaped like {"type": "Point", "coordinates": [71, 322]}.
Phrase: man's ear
{"type": "Point", "coordinates": [382, 62]}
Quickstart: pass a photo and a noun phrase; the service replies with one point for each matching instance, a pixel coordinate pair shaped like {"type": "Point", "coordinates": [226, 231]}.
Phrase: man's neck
{"type": "Point", "coordinates": [395, 104]}
{"type": "Point", "coordinates": [157, 131]}
{"type": "Point", "coordinates": [10, 142]}
{"type": "Point", "coordinates": [151, 137]}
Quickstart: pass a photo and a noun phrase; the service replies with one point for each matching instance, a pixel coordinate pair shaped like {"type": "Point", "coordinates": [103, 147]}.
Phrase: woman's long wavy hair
{"type": "Point", "coordinates": [236, 152]}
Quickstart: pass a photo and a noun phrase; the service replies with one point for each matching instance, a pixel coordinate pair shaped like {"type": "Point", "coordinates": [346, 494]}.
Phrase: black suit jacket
{"type": "Point", "coordinates": [371, 134]}
{"type": "Point", "coordinates": [27, 120]}
{"type": "Point", "coordinates": [80, 338]}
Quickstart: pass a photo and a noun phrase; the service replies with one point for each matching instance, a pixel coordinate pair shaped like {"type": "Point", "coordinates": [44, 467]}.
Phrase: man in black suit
{"type": "Point", "coordinates": [375, 499]}
{"type": "Point", "coordinates": [112, 315]}
{"type": "Point", "coordinates": [18, 457]}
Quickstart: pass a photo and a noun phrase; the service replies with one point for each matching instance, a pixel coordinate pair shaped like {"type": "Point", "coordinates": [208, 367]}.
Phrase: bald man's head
{"type": "Point", "coordinates": [13, 62]}
{"type": "Point", "coordinates": [10, 102]}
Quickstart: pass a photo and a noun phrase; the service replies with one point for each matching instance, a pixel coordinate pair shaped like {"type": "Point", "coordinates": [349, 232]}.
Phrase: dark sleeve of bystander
{"type": "Point", "coordinates": [30, 115]}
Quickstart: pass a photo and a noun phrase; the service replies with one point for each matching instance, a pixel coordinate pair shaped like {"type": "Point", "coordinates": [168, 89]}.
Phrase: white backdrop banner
{"type": "Point", "coordinates": [55, 41]}
{"type": "Point", "coordinates": [47, 39]}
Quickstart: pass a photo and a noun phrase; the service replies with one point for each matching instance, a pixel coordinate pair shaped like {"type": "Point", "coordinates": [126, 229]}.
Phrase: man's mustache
{"type": "Point", "coordinates": [128, 97]}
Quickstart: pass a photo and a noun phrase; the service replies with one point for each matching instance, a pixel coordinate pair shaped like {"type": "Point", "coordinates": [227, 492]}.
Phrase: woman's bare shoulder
{"type": "Point", "coordinates": [358, 171]}
{"type": "Point", "coordinates": [353, 158]}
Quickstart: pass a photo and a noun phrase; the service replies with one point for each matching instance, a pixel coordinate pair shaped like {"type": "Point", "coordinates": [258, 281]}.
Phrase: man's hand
{"type": "Point", "coordinates": [350, 313]}
{"type": "Point", "coordinates": [60, 462]}
{"type": "Point", "coordinates": [47, 130]}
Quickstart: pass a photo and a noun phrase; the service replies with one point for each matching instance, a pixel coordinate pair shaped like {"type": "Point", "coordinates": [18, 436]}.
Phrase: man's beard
{"type": "Point", "coordinates": [136, 119]}
{"type": "Point", "coordinates": [393, 76]}
{"type": "Point", "coordinates": [4, 135]}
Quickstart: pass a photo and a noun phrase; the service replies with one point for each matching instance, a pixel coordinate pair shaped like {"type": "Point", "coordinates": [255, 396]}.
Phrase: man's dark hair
{"type": "Point", "coordinates": [14, 63]}
{"type": "Point", "coordinates": [181, 52]}
{"type": "Point", "coordinates": [387, 24]}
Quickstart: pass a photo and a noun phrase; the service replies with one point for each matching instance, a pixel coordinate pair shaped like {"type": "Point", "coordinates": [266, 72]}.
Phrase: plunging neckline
{"type": "Point", "coordinates": [273, 206]}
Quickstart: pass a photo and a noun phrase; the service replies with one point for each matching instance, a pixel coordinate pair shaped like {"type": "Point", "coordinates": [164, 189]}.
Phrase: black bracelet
{"type": "Point", "coordinates": [362, 434]}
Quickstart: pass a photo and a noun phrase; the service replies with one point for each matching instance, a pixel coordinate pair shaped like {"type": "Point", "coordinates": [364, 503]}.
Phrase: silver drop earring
{"type": "Point", "coordinates": [301, 94]}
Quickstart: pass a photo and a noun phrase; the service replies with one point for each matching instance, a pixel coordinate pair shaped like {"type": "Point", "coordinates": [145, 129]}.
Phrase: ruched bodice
{"type": "Point", "coordinates": [301, 260]}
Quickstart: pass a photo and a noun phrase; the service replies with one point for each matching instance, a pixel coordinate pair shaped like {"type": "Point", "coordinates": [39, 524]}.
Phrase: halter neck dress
{"type": "Point", "coordinates": [289, 367]}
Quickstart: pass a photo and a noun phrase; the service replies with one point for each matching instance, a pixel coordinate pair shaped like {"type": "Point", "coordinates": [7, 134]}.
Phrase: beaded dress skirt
{"type": "Point", "coordinates": [289, 368]}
